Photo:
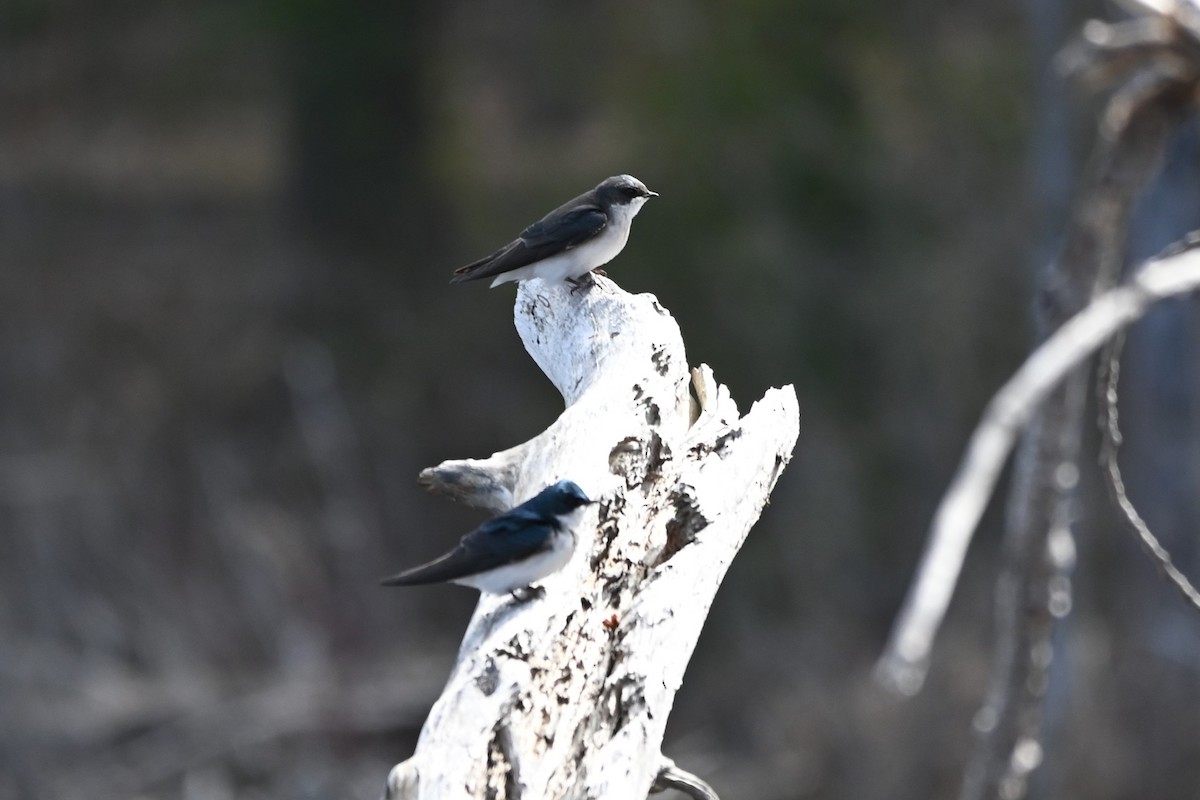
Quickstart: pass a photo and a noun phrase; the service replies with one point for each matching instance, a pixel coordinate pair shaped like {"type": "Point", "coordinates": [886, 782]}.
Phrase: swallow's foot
{"type": "Point", "coordinates": [526, 593]}
{"type": "Point", "coordinates": [599, 271]}
{"type": "Point", "coordinates": [582, 283]}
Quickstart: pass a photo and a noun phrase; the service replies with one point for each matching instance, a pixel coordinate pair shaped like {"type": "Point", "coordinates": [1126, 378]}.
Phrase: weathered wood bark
{"type": "Point", "coordinates": [568, 695]}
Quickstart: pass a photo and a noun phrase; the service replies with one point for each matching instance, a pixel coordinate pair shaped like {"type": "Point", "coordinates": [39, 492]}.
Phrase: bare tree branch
{"type": "Point", "coordinates": [670, 776]}
{"type": "Point", "coordinates": [1034, 588]}
{"type": "Point", "coordinates": [1106, 391]}
{"type": "Point", "coordinates": [1047, 394]}
{"type": "Point", "coordinates": [1010, 409]}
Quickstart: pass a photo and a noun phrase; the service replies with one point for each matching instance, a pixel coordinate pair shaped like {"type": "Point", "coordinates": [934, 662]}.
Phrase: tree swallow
{"type": "Point", "coordinates": [570, 241]}
{"type": "Point", "coordinates": [513, 550]}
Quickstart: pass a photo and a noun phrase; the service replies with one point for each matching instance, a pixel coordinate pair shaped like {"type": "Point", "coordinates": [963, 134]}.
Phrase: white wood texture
{"type": "Point", "coordinates": [567, 695]}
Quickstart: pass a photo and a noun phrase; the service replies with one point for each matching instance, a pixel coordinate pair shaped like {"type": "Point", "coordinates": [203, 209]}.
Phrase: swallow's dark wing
{"type": "Point", "coordinates": [567, 225]}
{"type": "Point", "coordinates": [511, 537]}
{"type": "Point", "coordinates": [563, 228]}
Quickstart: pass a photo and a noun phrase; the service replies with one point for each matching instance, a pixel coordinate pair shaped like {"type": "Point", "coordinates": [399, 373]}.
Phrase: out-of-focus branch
{"type": "Point", "coordinates": [1110, 443]}
{"type": "Point", "coordinates": [1009, 411]}
{"type": "Point", "coordinates": [1034, 588]}
{"type": "Point", "coordinates": [1157, 61]}
{"type": "Point", "coordinates": [179, 725]}
{"type": "Point", "coordinates": [670, 776]}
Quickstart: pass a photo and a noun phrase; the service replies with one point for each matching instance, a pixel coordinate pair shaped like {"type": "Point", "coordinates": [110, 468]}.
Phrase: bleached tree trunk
{"type": "Point", "coordinates": [567, 695]}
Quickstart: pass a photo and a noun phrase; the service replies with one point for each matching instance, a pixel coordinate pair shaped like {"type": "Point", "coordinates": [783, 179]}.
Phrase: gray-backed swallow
{"type": "Point", "coordinates": [570, 241]}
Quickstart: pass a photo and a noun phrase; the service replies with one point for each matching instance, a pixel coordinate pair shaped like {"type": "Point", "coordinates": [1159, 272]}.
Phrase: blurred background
{"type": "Point", "coordinates": [228, 344]}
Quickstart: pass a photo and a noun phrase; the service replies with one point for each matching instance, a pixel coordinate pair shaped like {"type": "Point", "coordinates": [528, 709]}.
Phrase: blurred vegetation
{"type": "Point", "coordinates": [227, 345]}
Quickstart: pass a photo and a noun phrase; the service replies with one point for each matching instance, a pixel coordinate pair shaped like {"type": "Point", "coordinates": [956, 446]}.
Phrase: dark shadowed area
{"type": "Point", "coordinates": [228, 344]}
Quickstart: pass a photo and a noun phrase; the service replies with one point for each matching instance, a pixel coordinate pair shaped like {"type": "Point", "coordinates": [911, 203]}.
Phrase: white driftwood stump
{"type": "Point", "coordinates": [567, 695]}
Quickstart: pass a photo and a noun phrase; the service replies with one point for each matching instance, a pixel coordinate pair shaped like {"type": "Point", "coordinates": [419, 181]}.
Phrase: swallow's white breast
{"type": "Point", "coordinates": [531, 570]}
{"type": "Point", "coordinates": [586, 257]}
